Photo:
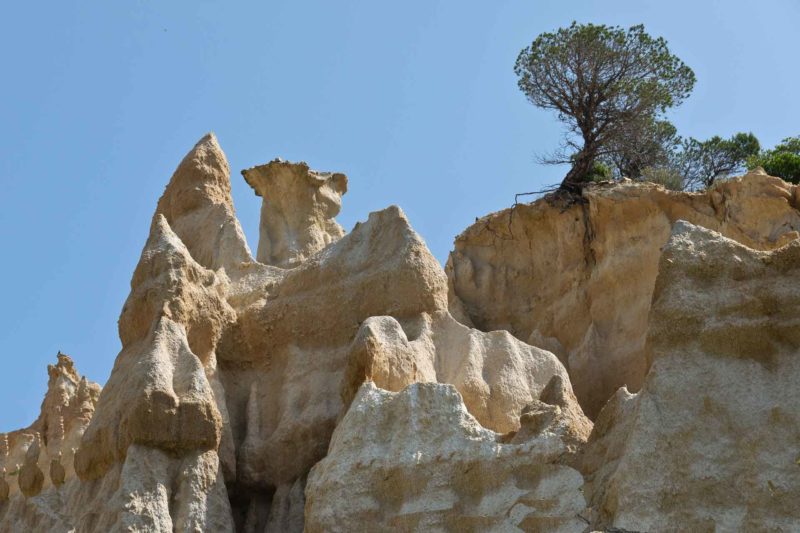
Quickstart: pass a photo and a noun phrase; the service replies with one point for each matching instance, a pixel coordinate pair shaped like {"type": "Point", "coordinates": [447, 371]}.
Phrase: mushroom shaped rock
{"type": "Point", "coordinates": [297, 212]}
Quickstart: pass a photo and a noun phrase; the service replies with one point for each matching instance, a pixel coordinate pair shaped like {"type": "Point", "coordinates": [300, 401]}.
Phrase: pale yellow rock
{"type": "Point", "coordinates": [496, 374]}
{"type": "Point", "coordinates": [710, 442]}
{"type": "Point", "coordinates": [579, 280]}
{"type": "Point", "coordinates": [233, 374]}
{"type": "Point", "coordinates": [556, 411]}
{"type": "Point", "coordinates": [282, 362]}
{"type": "Point", "coordinates": [66, 410]}
{"type": "Point", "coordinates": [198, 207]}
{"type": "Point", "coordinates": [298, 210]}
{"type": "Point", "coordinates": [339, 388]}
{"type": "Point", "coordinates": [416, 460]}
{"type": "Point", "coordinates": [158, 393]}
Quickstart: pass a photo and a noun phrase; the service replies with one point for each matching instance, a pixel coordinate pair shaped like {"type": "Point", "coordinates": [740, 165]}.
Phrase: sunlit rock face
{"type": "Point", "coordinates": [578, 280]}
{"type": "Point", "coordinates": [416, 460]}
{"type": "Point", "coordinates": [298, 210]}
{"type": "Point", "coordinates": [711, 440]}
{"type": "Point", "coordinates": [37, 461]}
{"type": "Point", "coordinates": [234, 372]}
{"type": "Point", "coordinates": [338, 381]}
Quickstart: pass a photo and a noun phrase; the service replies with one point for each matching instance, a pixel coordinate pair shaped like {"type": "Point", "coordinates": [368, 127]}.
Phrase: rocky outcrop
{"type": "Point", "coordinates": [198, 208]}
{"type": "Point", "coordinates": [34, 493]}
{"type": "Point", "coordinates": [710, 442]}
{"type": "Point", "coordinates": [577, 280]}
{"type": "Point", "coordinates": [338, 383]}
{"type": "Point", "coordinates": [496, 374]}
{"type": "Point", "coordinates": [298, 210]}
{"type": "Point", "coordinates": [67, 409]}
{"type": "Point", "coordinates": [233, 373]}
{"type": "Point", "coordinates": [294, 358]}
{"type": "Point", "coordinates": [416, 460]}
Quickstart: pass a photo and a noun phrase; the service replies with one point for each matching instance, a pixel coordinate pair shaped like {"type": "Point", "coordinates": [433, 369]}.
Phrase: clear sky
{"type": "Point", "coordinates": [415, 101]}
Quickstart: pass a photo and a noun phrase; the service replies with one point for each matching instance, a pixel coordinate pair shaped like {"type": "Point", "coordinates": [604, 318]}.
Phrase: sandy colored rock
{"type": "Point", "coordinates": [283, 361]}
{"type": "Point", "coordinates": [198, 207]}
{"type": "Point", "coordinates": [4, 487]}
{"type": "Point", "coordinates": [370, 306]}
{"type": "Point", "coordinates": [578, 280]}
{"type": "Point", "coordinates": [710, 442]}
{"type": "Point", "coordinates": [65, 412]}
{"type": "Point", "coordinates": [496, 374]}
{"type": "Point", "coordinates": [233, 374]}
{"type": "Point", "coordinates": [297, 212]}
{"type": "Point", "coordinates": [31, 477]}
{"type": "Point", "coordinates": [416, 460]}
{"type": "Point", "coordinates": [57, 472]}
{"type": "Point", "coordinates": [158, 393]}
{"type": "Point", "coordinates": [556, 411]}
{"type": "Point", "coordinates": [341, 388]}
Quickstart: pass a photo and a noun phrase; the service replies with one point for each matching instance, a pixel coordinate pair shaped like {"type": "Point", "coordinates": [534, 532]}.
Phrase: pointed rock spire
{"type": "Point", "coordinates": [158, 393]}
{"type": "Point", "coordinates": [198, 206]}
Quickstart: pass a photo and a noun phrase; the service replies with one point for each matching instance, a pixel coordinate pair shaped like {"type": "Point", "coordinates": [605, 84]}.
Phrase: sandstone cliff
{"type": "Point", "coordinates": [336, 382]}
{"type": "Point", "coordinates": [578, 280]}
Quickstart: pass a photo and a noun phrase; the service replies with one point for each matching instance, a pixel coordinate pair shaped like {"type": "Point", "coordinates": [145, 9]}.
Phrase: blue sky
{"type": "Point", "coordinates": [415, 101]}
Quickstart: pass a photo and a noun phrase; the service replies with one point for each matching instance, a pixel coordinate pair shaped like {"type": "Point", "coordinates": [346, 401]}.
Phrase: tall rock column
{"type": "Point", "coordinates": [298, 210]}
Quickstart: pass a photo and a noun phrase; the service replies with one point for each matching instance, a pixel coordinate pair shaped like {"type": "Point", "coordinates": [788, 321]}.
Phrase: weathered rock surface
{"type": "Point", "coordinates": [234, 373]}
{"type": "Point", "coordinates": [578, 280]}
{"type": "Point", "coordinates": [297, 212]}
{"type": "Point", "coordinates": [198, 208]}
{"type": "Point", "coordinates": [496, 374]}
{"type": "Point", "coordinates": [294, 358]}
{"type": "Point", "coordinates": [710, 443]}
{"type": "Point", "coordinates": [337, 383]}
{"type": "Point", "coordinates": [28, 486]}
{"type": "Point", "coordinates": [66, 411]}
{"type": "Point", "coordinates": [416, 460]}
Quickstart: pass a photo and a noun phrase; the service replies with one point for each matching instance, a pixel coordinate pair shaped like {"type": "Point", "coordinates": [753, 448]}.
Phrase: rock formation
{"type": "Point", "coordinates": [711, 440]}
{"type": "Point", "coordinates": [298, 210]}
{"type": "Point", "coordinates": [337, 382]}
{"type": "Point", "coordinates": [34, 501]}
{"type": "Point", "coordinates": [57, 472]}
{"type": "Point", "coordinates": [5, 489]}
{"type": "Point", "coordinates": [416, 460]}
{"type": "Point", "coordinates": [578, 280]}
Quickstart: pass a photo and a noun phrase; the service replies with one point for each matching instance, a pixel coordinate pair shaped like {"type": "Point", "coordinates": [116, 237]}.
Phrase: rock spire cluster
{"type": "Point", "coordinates": [347, 382]}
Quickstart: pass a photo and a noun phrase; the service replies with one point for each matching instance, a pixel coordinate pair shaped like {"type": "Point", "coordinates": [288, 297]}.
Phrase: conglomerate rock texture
{"type": "Point", "coordinates": [326, 386]}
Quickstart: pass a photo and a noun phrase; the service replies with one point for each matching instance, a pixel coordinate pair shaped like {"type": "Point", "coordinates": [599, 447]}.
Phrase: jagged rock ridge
{"type": "Point", "coordinates": [326, 385]}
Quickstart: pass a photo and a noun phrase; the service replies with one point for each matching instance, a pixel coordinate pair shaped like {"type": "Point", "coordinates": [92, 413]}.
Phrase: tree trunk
{"type": "Point", "coordinates": [581, 167]}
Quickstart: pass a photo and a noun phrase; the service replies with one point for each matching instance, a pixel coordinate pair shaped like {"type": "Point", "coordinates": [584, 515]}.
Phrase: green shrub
{"type": "Point", "coordinates": [668, 178]}
{"type": "Point", "coordinates": [600, 172]}
{"type": "Point", "coordinates": [782, 161]}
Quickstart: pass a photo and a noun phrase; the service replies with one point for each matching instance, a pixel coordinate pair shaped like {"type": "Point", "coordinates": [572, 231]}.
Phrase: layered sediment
{"type": "Point", "coordinates": [578, 280]}
{"type": "Point", "coordinates": [345, 382]}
